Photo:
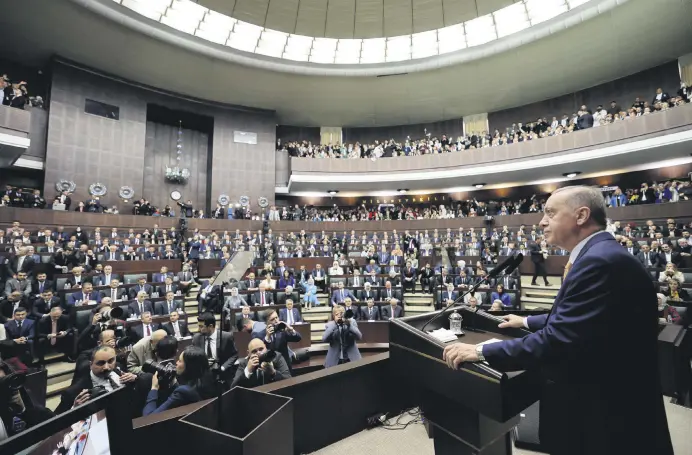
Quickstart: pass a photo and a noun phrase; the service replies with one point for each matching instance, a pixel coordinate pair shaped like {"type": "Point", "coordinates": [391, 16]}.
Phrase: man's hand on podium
{"type": "Point", "coordinates": [512, 321]}
{"type": "Point", "coordinates": [457, 353]}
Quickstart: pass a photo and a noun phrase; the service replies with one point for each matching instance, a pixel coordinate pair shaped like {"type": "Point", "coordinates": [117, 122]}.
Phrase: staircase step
{"type": "Point", "coordinates": [544, 293]}
{"type": "Point", "coordinates": [59, 372]}
{"type": "Point", "coordinates": [316, 338]}
{"type": "Point", "coordinates": [541, 300]}
{"type": "Point", "coordinates": [315, 318]}
{"type": "Point", "coordinates": [317, 327]}
{"type": "Point", "coordinates": [553, 287]}
{"type": "Point", "coordinates": [53, 402]}
{"type": "Point", "coordinates": [415, 309]}
{"type": "Point", "coordinates": [58, 388]}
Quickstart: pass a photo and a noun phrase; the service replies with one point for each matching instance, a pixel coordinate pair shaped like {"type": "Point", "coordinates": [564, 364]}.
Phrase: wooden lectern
{"type": "Point", "coordinates": [470, 410]}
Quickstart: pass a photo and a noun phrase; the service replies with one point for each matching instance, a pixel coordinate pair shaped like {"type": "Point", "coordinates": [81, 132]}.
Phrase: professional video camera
{"type": "Point", "coordinates": [280, 327]}
{"type": "Point", "coordinates": [347, 315]}
{"type": "Point", "coordinates": [266, 356]}
{"type": "Point", "coordinates": [12, 382]}
{"type": "Point", "coordinates": [165, 369]}
{"type": "Point", "coordinates": [113, 313]}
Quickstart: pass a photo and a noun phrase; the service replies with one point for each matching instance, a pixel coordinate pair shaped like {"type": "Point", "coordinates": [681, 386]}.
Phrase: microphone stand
{"type": "Point", "coordinates": [472, 289]}
{"type": "Point", "coordinates": [218, 376]}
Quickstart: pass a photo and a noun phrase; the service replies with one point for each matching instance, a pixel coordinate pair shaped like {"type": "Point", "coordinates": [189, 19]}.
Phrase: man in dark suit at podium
{"type": "Point", "coordinates": [596, 350]}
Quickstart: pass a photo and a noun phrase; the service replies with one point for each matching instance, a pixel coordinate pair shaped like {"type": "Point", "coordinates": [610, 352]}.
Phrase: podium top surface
{"type": "Point", "coordinates": [418, 355]}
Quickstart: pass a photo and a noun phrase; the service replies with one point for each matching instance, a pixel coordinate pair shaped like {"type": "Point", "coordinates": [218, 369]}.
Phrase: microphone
{"type": "Point", "coordinates": [511, 263]}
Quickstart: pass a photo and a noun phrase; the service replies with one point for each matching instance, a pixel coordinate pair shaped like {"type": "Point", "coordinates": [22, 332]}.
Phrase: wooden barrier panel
{"type": "Point", "coordinates": [48, 218]}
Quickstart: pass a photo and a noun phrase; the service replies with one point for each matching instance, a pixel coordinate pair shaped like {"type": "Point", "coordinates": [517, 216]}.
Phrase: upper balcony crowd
{"type": "Point", "coordinates": [16, 94]}
{"type": "Point", "coordinates": [584, 118]}
{"type": "Point", "coordinates": [647, 193]}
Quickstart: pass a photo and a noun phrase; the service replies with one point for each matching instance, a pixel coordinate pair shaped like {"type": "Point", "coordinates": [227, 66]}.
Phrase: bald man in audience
{"type": "Point", "coordinates": [143, 350]}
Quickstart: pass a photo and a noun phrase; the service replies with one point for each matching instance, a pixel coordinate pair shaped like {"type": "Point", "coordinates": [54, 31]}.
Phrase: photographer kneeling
{"type": "Point", "coordinates": [341, 334]}
{"type": "Point", "coordinates": [191, 374]}
{"type": "Point", "coordinates": [17, 411]}
{"type": "Point", "coordinates": [260, 366]}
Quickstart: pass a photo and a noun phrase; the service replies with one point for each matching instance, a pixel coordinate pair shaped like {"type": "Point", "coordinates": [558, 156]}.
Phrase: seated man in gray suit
{"type": "Point", "coordinates": [341, 334]}
{"type": "Point", "coordinates": [251, 372]}
{"type": "Point", "coordinates": [393, 310]}
{"type": "Point", "coordinates": [169, 305]}
{"type": "Point", "coordinates": [290, 315]}
{"type": "Point", "coordinates": [370, 312]}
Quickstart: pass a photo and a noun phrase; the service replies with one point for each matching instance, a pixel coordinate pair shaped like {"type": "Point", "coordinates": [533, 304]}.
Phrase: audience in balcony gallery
{"type": "Point", "coordinates": [584, 118]}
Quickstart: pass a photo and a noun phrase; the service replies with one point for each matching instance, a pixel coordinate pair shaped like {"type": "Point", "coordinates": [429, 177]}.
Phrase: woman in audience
{"type": "Point", "coordinates": [335, 269]}
{"type": "Point", "coordinates": [310, 295]}
{"type": "Point", "coordinates": [671, 273]}
{"type": "Point", "coordinates": [501, 295]}
{"type": "Point", "coordinates": [192, 378]}
{"type": "Point", "coordinates": [287, 280]}
{"type": "Point", "coordinates": [675, 292]}
{"type": "Point", "coordinates": [666, 313]}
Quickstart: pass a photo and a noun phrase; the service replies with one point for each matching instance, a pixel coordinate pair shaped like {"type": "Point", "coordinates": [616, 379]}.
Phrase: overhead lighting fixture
{"type": "Point", "coordinates": [332, 192]}
{"type": "Point", "coordinates": [571, 175]}
{"type": "Point", "coordinates": [479, 185]}
{"type": "Point", "coordinates": [403, 190]}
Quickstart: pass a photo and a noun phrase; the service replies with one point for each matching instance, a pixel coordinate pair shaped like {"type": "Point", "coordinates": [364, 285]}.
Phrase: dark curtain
{"type": "Point", "coordinates": [160, 151]}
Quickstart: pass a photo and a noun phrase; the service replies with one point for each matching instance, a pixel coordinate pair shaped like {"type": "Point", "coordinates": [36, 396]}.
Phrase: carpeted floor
{"type": "Point", "coordinates": [414, 440]}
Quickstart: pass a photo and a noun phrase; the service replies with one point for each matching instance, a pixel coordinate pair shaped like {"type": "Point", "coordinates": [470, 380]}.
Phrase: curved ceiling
{"type": "Point", "coordinates": [355, 18]}
{"type": "Point", "coordinates": [591, 52]}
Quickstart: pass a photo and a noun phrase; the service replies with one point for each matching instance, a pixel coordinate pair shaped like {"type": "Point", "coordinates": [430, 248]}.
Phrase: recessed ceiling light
{"type": "Point", "coordinates": [332, 192]}
{"type": "Point", "coordinates": [571, 175]}
{"type": "Point", "coordinates": [403, 190]}
{"type": "Point", "coordinates": [479, 185]}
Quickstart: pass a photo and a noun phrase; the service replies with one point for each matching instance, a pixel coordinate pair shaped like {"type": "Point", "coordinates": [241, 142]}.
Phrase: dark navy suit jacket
{"type": "Point", "coordinates": [596, 352]}
{"type": "Point", "coordinates": [181, 396]}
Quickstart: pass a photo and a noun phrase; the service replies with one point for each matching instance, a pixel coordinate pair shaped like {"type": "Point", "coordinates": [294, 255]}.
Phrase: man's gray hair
{"type": "Point", "coordinates": [584, 196]}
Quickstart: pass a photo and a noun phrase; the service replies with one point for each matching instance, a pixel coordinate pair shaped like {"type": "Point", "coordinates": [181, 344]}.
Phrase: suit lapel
{"type": "Point", "coordinates": [601, 237]}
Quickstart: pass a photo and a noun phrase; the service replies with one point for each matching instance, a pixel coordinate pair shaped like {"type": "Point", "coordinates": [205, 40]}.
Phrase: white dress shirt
{"type": "Point", "coordinates": [105, 382]}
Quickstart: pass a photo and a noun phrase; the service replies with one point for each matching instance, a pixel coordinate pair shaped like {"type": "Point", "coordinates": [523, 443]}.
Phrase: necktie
{"type": "Point", "coordinates": [392, 312]}
{"type": "Point", "coordinates": [168, 288]}
{"type": "Point", "coordinates": [342, 295]}
{"type": "Point", "coordinates": [210, 355]}
{"type": "Point", "coordinates": [141, 307]}
{"type": "Point", "coordinates": [290, 317]}
{"type": "Point", "coordinates": [355, 282]}
{"type": "Point", "coordinates": [113, 294]}
{"type": "Point", "coordinates": [19, 327]}
{"type": "Point", "coordinates": [370, 311]}
{"type": "Point", "coordinates": [176, 329]}
{"type": "Point", "coordinates": [86, 297]}
{"type": "Point", "coordinates": [171, 306]}
{"type": "Point", "coordinates": [568, 267]}
{"type": "Point", "coordinates": [40, 286]}
{"type": "Point", "coordinates": [148, 331]}
{"type": "Point", "coordinates": [54, 331]}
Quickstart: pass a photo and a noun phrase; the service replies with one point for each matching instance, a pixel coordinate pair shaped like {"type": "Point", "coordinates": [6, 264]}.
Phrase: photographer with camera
{"type": "Point", "coordinates": [341, 334]}
{"type": "Point", "coordinates": [144, 350]}
{"type": "Point", "coordinates": [17, 411]}
{"type": "Point", "coordinates": [102, 378]}
{"type": "Point", "coordinates": [261, 366]}
{"type": "Point", "coordinates": [105, 318]}
{"type": "Point", "coordinates": [189, 381]}
{"type": "Point", "coordinates": [277, 335]}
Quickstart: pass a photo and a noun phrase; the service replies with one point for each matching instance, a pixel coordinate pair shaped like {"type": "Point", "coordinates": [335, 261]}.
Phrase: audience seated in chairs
{"type": "Point", "coordinates": [667, 314]}
{"type": "Point", "coordinates": [502, 296]}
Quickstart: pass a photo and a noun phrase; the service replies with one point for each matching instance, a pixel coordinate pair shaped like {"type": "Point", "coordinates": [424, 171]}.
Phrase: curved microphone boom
{"type": "Point", "coordinates": [508, 265]}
